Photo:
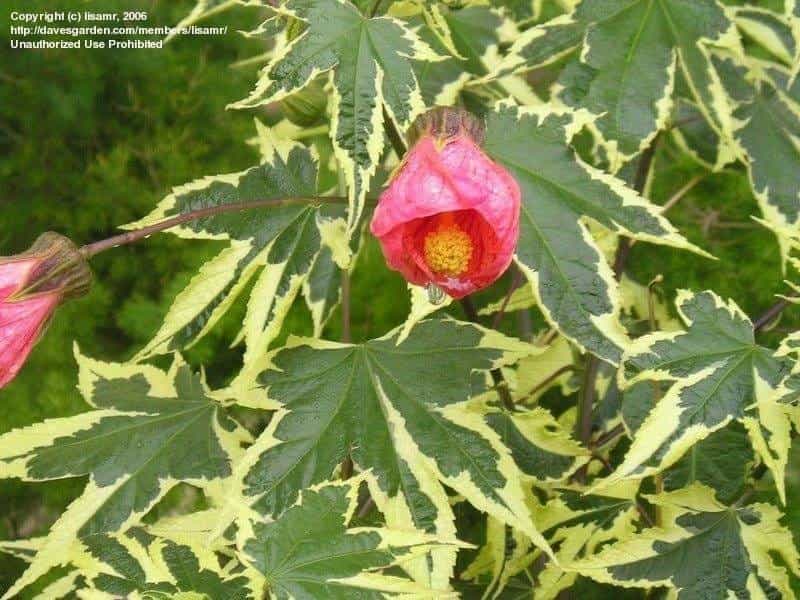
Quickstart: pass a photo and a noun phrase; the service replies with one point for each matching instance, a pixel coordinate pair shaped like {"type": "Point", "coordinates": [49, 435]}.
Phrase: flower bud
{"type": "Point", "coordinates": [450, 215]}
{"type": "Point", "coordinates": [32, 285]}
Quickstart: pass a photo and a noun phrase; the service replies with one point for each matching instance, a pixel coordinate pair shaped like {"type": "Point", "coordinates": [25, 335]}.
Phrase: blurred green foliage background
{"type": "Point", "coordinates": [91, 139]}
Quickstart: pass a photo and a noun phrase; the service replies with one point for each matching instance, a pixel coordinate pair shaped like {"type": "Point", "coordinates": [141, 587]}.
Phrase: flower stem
{"type": "Point", "coordinates": [95, 248]}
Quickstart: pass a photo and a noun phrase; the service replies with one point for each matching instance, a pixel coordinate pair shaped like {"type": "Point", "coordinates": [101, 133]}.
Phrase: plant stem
{"type": "Point", "coordinates": [586, 400]}
{"type": "Point", "coordinates": [346, 328]}
{"type": "Point", "coordinates": [525, 325]}
{"type": "Point", "coordinates": [585, 407]}
{"type": "Point", "coordinates": [95, 248]}
{"type": "Point", "coordinates": [497, 375]}
{"type": "Point", "coordinates": [516, 280]}
{"type": "Point", "coordinates": [770, 314]}
{"type": "Point", "coordinates": [548, 380]}
{"type": "Point", "coordinates": [609, 436]}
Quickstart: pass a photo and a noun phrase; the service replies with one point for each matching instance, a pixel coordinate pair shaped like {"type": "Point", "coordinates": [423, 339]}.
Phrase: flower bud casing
{"type": "Point", "coordinates": [32, 285]}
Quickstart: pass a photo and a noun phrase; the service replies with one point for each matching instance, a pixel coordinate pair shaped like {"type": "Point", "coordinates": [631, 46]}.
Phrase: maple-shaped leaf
{"type": "Point", "coordinates": [62, 581]}
{"type": "Point", "coordinates": [722, 461]}
{"type": "Point", "coordinates": [276, 245]}
{"type": "Point", "coordinates": [371, 63]}
{"type": "Point", "coordinates": [148, 430]}
{"type": "Point", "coordinates": [573, 282]}
{"type": "Point", "coordinates": [693, 135]}
{"type": "Point", "coordinates": [142, 565]}
{"type": "Point", "coordinates": [585, 523]}
{"type": "Point", "coordinates": [771, 30]}
{"type": "Point", "coordinates": [401, 410]}
{"type": "Point", "coordinates": [575, 524]}
{"type": "Point", "coordinates": [714, 373]}
{"type": "Point", "coordinates": [470, 36]}
{"type": "Point", "coordinates": [768, 118]}
{"type": "Point", "coordinates": [704, 550]}
{"type": "Point", "coordinates": [631, 50]}
{"type": "Point", "coordinates": [542, 448]}
{"type": "Point", "coordinates": [309, 552]}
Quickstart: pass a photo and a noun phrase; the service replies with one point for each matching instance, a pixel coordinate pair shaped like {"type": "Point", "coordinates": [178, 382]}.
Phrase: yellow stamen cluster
{"type": "Point", "coordinates": [448, 250]}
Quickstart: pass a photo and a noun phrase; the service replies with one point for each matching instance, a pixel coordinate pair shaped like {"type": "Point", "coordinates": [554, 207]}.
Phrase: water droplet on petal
{"type": "Point", "coordinates": [436, 294]}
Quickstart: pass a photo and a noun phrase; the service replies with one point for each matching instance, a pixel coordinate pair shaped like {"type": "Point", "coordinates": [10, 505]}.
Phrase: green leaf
{"type": "Point", "coordinates": [275, 246]}
{"type": "Point", "coordinates": [714, 373]}
{"type": "Point", "coordinates": [693, 134]}
{"type": "Point", "coordinates": [402, 411]}
{"type": "Point", "coordinates": [575, 525]}
{"type": "Point", "coordinates": [322, 289]}
{"type": "Point", "coordinates": [57, 582]}
{"type": "Point", "coordinates": [574, 285]}
{"type": "Point", "coordinates": [372, 71]}
{"type": "Point", "coordinates": [769, 136]}
{"type": "Point", "coordinates": [469, 37]}
{"type": "Point", "coordinates": [722, 461]}
{"type": "Point", "coordinates": [138, 563]}
{"type": "Point", "coordinates": [148, 431]}
{"type": "Point", "coordinates": [309, 552]}
{"type": "Point", "coordinates": [771, 30]}
{"type": "Point", "coordinates": [542, 448]}
{"type": "Point", "coordinates": [632, 49]}
{"type": "Point", "coordinates": [706, 550]}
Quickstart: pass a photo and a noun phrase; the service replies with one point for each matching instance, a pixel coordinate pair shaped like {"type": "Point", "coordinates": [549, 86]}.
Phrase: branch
{"type": "Point", "coordinates": [93, 249]}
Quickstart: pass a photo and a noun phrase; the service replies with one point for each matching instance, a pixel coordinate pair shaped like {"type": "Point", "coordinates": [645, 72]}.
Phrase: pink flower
{"type": "Point", "coordinates": [32, 286]}
{"type": "Point", "coordinates": [450, 215]}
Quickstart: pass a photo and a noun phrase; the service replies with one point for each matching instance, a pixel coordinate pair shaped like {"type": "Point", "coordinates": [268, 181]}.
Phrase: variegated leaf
{"type": "Point", "coordinates": [466, 36]}
{"type": "Point", "coordinates": [574, 284]}
{"type": "Point", "coordinates": [537, 374]}
{"type": "Point", "coordinates": [711, 374]}
{"type": "Point", "coordinates": [704, 550]}
{"type": "Point", "coordinates": [770, 30]}
{"type": "Point", "coordinates": [575, 525]}
{"type": "Point", "coordinates": [542, 449]}
{"type": "Point", "coordinates": [401, 410]}
{"type": "Point", "coordinates": [148, 431]}
{"type": "Point", "coordinates": [630, 51]}
{"type": "Point", "coordinates": [277, 246]}
{"type": "Point", "coordinates": [722, 461]}
{"type": "Point", "coordinates": [140, 565]}
{"type": "Point", "coordinates": [371, 63]}
{"type": "Point", "coordinates": [693, 135]}
{"type": "Point", "coordinates": [204, 9]}
{"type": "Point", "coordinates": [768, 115]}
{"type": "Point", "coordinates": [310, 553]}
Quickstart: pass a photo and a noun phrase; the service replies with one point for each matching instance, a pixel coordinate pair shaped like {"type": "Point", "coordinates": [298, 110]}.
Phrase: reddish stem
{"type": "Point", "coordinates": [90, 250]}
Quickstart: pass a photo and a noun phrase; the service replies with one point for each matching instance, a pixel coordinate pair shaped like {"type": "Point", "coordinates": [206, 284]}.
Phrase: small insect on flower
{"type": "Point", "coordinates": [449, 218]}
{"type": "Point", "coordinates": [32, 285]}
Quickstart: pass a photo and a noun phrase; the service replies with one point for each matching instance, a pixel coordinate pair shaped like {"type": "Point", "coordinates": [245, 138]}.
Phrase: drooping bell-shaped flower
{"type": "Point", "coordinates": [32, 285]}
{"type": "Point", "coordinates": [449, 217]}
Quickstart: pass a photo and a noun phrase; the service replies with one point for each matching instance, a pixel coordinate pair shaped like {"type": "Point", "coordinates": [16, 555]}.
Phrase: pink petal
{"type": "Point", "coordinates": [21, 324]}
{"type": "Point", "coordinates": [13, 274]}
